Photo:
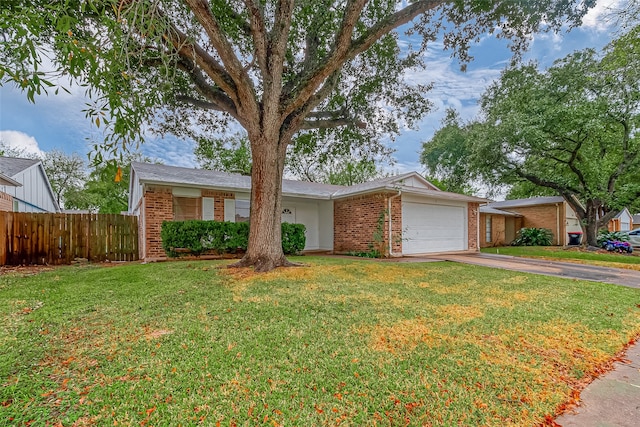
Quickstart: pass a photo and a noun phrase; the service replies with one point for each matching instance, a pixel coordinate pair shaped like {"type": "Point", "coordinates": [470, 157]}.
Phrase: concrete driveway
{"type": "Point", "coordinates": [617, 276]}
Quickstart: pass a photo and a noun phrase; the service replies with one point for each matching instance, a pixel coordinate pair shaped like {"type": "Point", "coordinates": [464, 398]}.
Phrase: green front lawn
{"type": "Point", "coordinates": [338, 342]}
{"type": "Point", "coordinates": [577, 255]}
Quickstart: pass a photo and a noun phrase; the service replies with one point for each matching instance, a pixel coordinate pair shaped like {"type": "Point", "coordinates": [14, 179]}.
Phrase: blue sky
{"type": "Point", "coordinates": [57, 122]}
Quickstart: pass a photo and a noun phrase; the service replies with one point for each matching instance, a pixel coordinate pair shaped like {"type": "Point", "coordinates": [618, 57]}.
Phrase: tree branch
{"type": "Point", "coordinates": [258, 32]}
{"type": "Point", "coordinates": [199, 103]}
{"type": "Point", "coordinates": [346, 49]}
{"type": "Point", "coordinates": [272, 74]}
{"type": "Point", "coordinates": [544, 183]}
{"type": "Point", "coordinates": [247, 104]}
{"type": "Point", "coordinates": [331, 123]}
{"type": "Point", "coordinates": [213, 94]}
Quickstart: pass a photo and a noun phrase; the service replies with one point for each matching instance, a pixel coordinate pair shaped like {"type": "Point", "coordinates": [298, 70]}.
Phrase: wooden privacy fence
{"type": "Point", "coordinates": [48, 238]}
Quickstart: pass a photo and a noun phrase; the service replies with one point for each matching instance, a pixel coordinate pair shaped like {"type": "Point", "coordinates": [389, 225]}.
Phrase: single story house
{"type": "Point", "coordinates": [621, 222]}
{"type": "Point", "coordinates": [500, 221]}
{"type": "Point", "coordinates": [417, 217]}
{"type": "Point", "coordinates": [29, 189]}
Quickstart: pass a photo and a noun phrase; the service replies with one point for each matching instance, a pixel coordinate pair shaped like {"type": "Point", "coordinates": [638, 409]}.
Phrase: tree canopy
{"type": "Point", "coordinates": [287, 71]}
{"type": "Point", "coordinates": [66, 174]}
{"type": "Point", "coordinates": [572, 129]}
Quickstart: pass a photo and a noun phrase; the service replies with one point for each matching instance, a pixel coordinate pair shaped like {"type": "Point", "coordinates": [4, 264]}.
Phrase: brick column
{"type": "Point", "coordinates": [157, 207]}
{"type": "Point", "coordinates": [473, 215]}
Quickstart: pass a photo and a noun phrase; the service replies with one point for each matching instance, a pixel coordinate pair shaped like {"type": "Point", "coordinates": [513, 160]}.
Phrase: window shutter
{"type": "Point", "coordinates": [230, 210]}
{"type": "Point", "coordinates": [207, 208]}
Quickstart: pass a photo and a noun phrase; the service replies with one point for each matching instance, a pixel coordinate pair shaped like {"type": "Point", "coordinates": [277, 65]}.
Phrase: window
{"type": "Point", "coordinates": [16, 206]}
{"type": "Point", "coordinates": [208, 210]}
{"type": "Point", "coordinates": [242, 210]}
{"type": "Point", "coordinates": [185, 208]}
{"type": "Point", "coordinates": [487, 237]}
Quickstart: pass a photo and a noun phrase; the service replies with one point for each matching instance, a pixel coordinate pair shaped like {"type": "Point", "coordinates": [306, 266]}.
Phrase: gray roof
{"type": "Point", "coordinates": [11, 166]}
{"type": "Point", "coordinates": [178, 176]}
{"type": "Point", "coordinates": [488, 210]}
{"type": "Point", "coordinates": [533, 201]}
{"type": "Point", "coordinates": [162, 174]}
{"type": "Point", "coordinates": [636, 219]}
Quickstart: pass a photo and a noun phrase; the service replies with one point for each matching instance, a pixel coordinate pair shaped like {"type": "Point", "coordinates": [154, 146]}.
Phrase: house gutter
{"type": "Point", "coordinates": [391, 221]}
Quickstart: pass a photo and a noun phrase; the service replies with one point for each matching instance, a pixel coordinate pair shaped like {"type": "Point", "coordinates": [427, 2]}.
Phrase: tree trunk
{"type": "Point", "coordinates": [264, 251]}
{"type": "Point", "coordinates": [591, 225]}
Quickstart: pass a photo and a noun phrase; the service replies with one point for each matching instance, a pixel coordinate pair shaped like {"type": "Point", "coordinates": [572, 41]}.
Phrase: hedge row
{"type": "Point", "coordinates": [196, 237]}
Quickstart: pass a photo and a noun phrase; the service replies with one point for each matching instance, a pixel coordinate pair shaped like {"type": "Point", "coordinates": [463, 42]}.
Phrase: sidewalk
{"type": "Point", "coordinates": [612, 400]}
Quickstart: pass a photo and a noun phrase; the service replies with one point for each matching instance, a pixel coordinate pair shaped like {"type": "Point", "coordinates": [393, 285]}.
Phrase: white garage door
{"type": "Point", "coordinates": [433, 228]}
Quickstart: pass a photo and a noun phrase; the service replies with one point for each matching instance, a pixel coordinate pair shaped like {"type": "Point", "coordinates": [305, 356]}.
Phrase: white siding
{"type": "Point", "coordinates": [625, 221]}
{"type": "Point", "coordinates": [317, 217]}
{"type": "Point", "coordinates": [572, 224]}
{"type": "Point", "coordinates": [414, 182]}
{"type": "Point", "coordinates": [34, 195]}
{"type": "Point", "coordinates": [325, 226]}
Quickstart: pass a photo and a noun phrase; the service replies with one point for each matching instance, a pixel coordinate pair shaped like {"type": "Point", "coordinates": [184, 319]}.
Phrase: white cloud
{"type": "Point", "coordinates": [599, 18]}
{"type": "Point", "coordinates": [20, 141]}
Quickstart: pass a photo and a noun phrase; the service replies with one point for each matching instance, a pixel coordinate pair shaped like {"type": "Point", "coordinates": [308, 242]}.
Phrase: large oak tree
{"type": "Point", "coordinates": [280, 68]}
{"type": "Point", "coordinates": [571, 129]}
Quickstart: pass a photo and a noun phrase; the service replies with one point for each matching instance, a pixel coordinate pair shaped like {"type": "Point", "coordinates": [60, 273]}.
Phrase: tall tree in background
{"type": "Point", "coordinates": [231, 154]}
{"type": "Point", "coordinates": [572, 129]}
{"type": "Point", "coordinates": [281, 69]}
{"type": "Point", "coordinates": [446, 156]}
{"type": "Point", "coordinates": [66, 174]}
{"type": "Point", "coordinates": [106, 189]}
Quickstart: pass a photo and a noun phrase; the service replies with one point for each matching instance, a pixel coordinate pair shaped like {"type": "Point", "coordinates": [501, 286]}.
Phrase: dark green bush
{"type": "Point", "coordinates": [533, 237]}
{"type": "Point", "coordinates": [197, 237]}
{"type": "Point", "coordinates": [293, 238]}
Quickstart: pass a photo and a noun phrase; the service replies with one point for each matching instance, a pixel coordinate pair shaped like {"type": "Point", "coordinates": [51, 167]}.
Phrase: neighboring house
{"type": "Point", "coordinates": [500, 221]}
{"type": "Point", "coordinates": [33, 192]}
{"type": "Point", "coordinates": [6, 199]}
{"type": "Point", "coordinates": [337, 218]}
{"type": "Point", "coordinates": [621, 222]}
{"type": "Point", "coordinates": [635, 221]}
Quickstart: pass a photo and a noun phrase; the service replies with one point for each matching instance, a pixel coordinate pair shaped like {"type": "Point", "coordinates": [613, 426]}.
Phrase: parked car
{"type": "Point", "coordinates": [634, 237]}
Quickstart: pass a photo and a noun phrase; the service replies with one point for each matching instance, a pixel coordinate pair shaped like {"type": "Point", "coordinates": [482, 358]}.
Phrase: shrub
{"type": "Point", "coordinates": [293, 238]}
{"type": "Point", "coordinates": [533, 237]}
{"type": "Point", "coordinates": [604, 235]}
{"type": "Point", "coordinates": [198, 236]}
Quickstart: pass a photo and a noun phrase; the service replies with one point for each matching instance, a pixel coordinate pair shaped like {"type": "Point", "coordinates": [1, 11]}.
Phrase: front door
{"type": "Point", "coordinates": [288, 215]}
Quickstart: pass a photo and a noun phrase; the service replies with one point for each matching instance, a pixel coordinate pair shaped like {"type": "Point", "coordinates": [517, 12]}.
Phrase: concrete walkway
{"type": "Point", "coordinates": [617, 276]}
{"type": "Point", "coordinates": [612, 400]}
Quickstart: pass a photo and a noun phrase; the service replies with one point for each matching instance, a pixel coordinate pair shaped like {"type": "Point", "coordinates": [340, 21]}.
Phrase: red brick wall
{"type": "Point", "coordinates": [498, 230]}
{"type": "Point", "coordinates": [473, 213]}
{"type": "Point", "coordinates": [355, 220]}
{"type": "Point", "coordinates": [544, 216]}
{"type": "Point", "coordinates": [6, 202]}
{"type": "Point", "coordinates": [157, 206]}
{"type": "Point", "coordinates": [396, 229]}
{"type": "Point", "coordinates": [218, 202]}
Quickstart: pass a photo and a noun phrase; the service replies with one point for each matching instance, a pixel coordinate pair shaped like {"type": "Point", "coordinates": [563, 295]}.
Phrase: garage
{"type": "Point", "coordinates": [429, 227]}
